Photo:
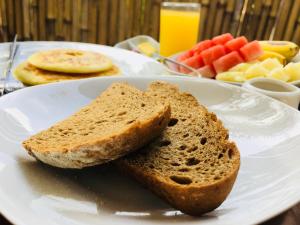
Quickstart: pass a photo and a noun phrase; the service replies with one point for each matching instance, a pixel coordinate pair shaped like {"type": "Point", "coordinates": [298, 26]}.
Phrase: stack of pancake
{"type": "Point", "coordinates": [63, 64]}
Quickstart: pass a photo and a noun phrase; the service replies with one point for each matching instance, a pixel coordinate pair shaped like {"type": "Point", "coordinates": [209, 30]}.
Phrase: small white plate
{"type": "Point", "coordinates": [130, 63]}
{"type": "Point", "coordinates": [266, 131]}
{"type": "Point", "coordinates": [136, 41]}
{"type": "Point", "coordinates": [296, 83]}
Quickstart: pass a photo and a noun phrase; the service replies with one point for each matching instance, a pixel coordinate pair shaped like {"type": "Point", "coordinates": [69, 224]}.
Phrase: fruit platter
{"type": "Point", "coordinates": [236, 60]}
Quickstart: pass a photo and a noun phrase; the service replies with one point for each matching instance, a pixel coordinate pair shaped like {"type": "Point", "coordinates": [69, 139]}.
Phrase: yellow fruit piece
{"type": "Point", "coordinates": [293, 70]}
{"type": "Point", "coordinates": [253, 62]}
{"type": "Point", "coordinates": [231, 76]}
{"type": "Point", "coordinates": [286, 48]}
{"type": "Point", "coordinates": [146, 48]}
{"type": "Point", "coordinates": [272, 55]}
{"type": "Point", "coordinates": [242, 67]}
{"type": "Point", "coordinates": [256, 70]}
{"type": "Point", "coordinates": [279, 74]}
{"type": "Point", "coordinates": [270, 64]}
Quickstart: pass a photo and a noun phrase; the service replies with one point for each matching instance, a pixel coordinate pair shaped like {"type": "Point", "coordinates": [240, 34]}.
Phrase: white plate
{"type": "Point", "coordinates": [130, 63]}
{"type": "Point", "coordinates": [296, 83]}
{"type": "Point", "coordinates": [266, 131]}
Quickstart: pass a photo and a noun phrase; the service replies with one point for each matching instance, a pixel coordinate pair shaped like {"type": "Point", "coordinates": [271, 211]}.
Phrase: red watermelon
{"type": "Point", "coordinates": [207, 71]}
{"type": "Point", "coordinates": [236, 44]}
{"type": "Point", "coordinates": [251, 51]}
{"type": "Point", "coordinates": [185, 55]}
{"type": "Point", "coordinates": [226, 62]}
{"type": "Point", "coordinates": [194, 62]}
{"type": "Point", "coordinates": [213, 53]}
{"type": "Point", "coordinates": [202, 45]}
{"type": "Point", "coordinates": [222, 39]}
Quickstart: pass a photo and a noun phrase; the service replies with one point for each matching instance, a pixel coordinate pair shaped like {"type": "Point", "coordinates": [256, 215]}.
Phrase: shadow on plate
{"type": "Point", "coordinates": [105, 187]}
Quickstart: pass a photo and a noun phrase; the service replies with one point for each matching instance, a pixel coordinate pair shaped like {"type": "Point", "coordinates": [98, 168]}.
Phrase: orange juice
{"type": "Point", "coordinates": [178, 30]}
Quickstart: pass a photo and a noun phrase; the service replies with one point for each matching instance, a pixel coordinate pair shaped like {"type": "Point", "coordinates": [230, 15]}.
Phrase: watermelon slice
{"type": "Point", "coordinates": [185, 55]}
{"type": "Point", "coordinates": [251, 51]}
{"type": "Point", "coordinates": [222, 39]}
{"type": "Point", "coordinates": [236, 44]}
{"type": "Point", "coordinates": [213, 53]}
{"type": "Point", "coordinates": [226, 62]}
{"type": "Point", "coordinates": [207, 71]}
{"type": "Point", "coordinates": [194, 62]}
{"type": "Point", "coordinates": [202, 45]}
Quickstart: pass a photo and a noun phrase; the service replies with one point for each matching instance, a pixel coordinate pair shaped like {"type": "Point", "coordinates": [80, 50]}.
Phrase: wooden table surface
{"type": "Point", "coordinates": [290, 217]}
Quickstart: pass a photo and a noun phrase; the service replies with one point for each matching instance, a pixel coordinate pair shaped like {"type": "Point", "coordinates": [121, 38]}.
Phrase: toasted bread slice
{"type": "Point", "coordinates": [122, 119]}
{"type": "Point", "coordinates": [192, 165]}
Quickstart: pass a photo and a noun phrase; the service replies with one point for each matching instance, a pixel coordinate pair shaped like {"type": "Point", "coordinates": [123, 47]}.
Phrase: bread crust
{"type": "Point", "coordinates": [192, 200]}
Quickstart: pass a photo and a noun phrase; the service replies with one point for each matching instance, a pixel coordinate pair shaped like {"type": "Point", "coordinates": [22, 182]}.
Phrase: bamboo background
{"type": "Point", "coordinates": [111, 21]}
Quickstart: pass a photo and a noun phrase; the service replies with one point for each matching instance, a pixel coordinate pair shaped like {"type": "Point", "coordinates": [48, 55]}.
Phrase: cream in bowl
{"type": "Point", "coordinates": [277, 89]}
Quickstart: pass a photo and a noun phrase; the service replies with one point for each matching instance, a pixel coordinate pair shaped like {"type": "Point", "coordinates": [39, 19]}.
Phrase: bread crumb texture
{"type": "Point", "coordinates": [192, 154]}
{"type": "Point", "coordinates": [120, 120]}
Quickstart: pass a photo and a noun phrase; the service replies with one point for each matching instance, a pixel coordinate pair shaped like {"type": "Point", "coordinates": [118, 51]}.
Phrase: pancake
{"type": "Point", "coordinates": [70, 61]}
{"type": "Point", "coordinates": [31, 75]}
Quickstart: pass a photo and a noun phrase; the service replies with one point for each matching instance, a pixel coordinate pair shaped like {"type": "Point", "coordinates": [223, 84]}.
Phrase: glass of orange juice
{"type": "Point", "coordinates": [179, 27]}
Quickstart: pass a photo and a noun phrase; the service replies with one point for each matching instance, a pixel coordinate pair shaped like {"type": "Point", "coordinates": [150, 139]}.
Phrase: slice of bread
{"type": "Point", "coordinates": [122, 119]}
{"type": "Point", "coordinates": [192, 165]}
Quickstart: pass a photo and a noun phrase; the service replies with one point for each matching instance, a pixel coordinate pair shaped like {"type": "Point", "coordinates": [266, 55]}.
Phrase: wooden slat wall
{"type": "Point", "coordinates": [111, 21]}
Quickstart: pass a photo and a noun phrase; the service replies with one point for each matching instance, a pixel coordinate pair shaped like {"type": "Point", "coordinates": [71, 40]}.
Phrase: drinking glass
{"type": "Point", "coordinates": [179, 26]}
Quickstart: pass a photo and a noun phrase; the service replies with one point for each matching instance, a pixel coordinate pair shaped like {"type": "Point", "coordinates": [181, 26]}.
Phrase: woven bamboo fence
{"type": "Point", "coordinates": [111, 21]}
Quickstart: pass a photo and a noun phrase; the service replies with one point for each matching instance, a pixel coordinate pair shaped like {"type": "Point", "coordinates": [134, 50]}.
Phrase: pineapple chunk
{"type": "Point", "coordinates": [146, 48]}
{"type": "Point", "coordinates": [231, 76]}
{"type": "Point", "coordinates": [242, 67]}
{"type": "Point", "coordinates": [293, 69]}
{"type": "Point", "coordinates": [271, 63]}
{"type": "Point", "coordinates": [279, 74]}
{"type": "Point", "coordinates": [256, 70]}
